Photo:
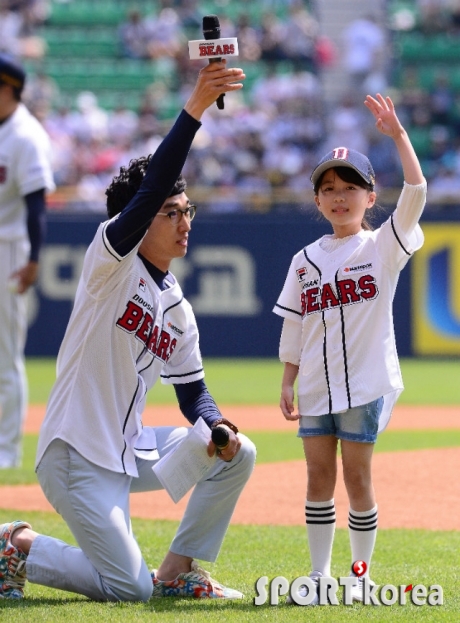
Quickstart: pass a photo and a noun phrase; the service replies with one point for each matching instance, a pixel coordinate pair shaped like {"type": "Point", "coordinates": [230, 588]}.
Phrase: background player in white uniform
{"type": "Point", "coordinates": [25, 175]}
{"type": "Point", "coordinates": [129, 326]}
{"type": "Point", "coordinates": [338, 339]}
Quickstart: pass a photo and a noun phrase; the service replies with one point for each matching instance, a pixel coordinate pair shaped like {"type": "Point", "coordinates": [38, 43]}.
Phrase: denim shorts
{"type": "Point", "coordinates": [356, 424]}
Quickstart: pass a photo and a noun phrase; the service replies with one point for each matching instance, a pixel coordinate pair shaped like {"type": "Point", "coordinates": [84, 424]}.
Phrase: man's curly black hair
{"type": "Point", "coordinates": [125, 185]}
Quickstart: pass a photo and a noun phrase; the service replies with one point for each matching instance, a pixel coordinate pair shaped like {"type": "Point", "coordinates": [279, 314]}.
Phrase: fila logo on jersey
{"type": "Point", "coordinates": [142, 284]}
{"type": "Point", "coordinates": [318, 298]}
{"type": "Point", "coordinates": [139, 322]}
{"type": "Point", "coordinates": [301, 273]}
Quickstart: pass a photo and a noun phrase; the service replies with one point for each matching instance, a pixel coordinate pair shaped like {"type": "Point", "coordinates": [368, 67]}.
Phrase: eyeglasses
{"type": "Point", "coordinates": [175, 216]}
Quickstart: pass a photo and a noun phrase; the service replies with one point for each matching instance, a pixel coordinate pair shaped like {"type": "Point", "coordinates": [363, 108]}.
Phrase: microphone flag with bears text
{"type": "Point", "coordinates": [213, 47]}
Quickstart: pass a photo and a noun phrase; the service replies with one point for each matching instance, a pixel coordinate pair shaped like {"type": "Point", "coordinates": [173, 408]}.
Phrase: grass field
{"type": "Point", "coordinates": [257, 381]}
{"type": "Point", "coordinates": [402, 556]}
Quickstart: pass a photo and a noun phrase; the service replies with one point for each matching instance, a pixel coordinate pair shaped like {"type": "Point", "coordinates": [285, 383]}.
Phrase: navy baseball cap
{"type": "Point", "coordinates": [344, 157]}
{"type": "Point", "coordinates": [12, 73]}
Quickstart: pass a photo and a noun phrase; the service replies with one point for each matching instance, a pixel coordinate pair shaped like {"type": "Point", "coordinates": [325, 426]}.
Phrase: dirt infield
{"type": "Point", "coordinates": [270, 418]}
{"type": "Point", "coordinates": [412, 488]}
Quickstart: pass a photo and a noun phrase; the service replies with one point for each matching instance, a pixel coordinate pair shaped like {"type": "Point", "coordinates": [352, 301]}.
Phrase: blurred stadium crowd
{"type": "Point", "coordinates": [266, 141]}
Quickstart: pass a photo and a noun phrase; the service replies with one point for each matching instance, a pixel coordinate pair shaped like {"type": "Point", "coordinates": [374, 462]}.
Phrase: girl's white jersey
{"type": "Point", "coordinates": [114, 350]}
{"type": "Point", "coordinates": [343, 299]}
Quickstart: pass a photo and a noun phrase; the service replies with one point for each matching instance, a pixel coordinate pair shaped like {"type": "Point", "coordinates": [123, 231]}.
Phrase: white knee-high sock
{"type": "Point", "coordinates": [362, 528]}
{"type": "Point", "coordinates": [320, 520]}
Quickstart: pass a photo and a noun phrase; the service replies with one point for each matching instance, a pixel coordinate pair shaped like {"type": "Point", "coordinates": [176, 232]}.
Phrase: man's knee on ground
{"type": "Point", "coordinates": [133, 589]}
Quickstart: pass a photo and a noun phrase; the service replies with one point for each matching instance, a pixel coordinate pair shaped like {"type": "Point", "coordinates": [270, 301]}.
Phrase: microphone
{"type": "Point", "coordinates": [220, 437]}
{"type": "Point", "coordinates": [211, 30]}
{"type": "Point", "coordinates": [213, 47]}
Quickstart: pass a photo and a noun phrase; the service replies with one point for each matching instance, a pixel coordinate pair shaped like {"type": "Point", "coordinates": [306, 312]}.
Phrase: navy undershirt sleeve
{"type": "Point", "coordinates": [126, 231]}
{"type": "Point", "coordinates": [195, 401]}
{"type": "Point", "coordinates": [36, 221]}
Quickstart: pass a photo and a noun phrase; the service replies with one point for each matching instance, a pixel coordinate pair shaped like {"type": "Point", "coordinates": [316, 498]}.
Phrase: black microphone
{"type": "Point", "coordinates": [220, 437]}
{"type": "Point", "coordinates": [211, 30]}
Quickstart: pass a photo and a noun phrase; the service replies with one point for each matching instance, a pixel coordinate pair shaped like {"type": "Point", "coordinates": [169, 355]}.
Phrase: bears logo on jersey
{"type": "Point", "coordinates": [139, 322]}
{"type": "Point", "coordinates": [347, 292]}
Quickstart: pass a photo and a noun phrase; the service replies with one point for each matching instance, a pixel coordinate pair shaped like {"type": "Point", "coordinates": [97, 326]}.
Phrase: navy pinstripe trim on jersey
{"type": "Point", "coordinates": [326, 369]}
{"type": "Point", "coordinates": [397, 237]}
{"type": "Point", "coordinates": [293, 311]}
{"type": "Point", "coordinates": [172, 306]}
{"type": "Point", "coordinates": [123, 458]}
{"type": "Point", "coordinates": [344, 344]}
{"type": "Point", "coordinates": [142, 353]}
{"type": "Point", "coordinates": [124, 426]}
{"type": "Point", "coordinates": [105, 244]}
{"type": "Point", "coordinates": [147, 366]}
{"type": "Point", "coordinates": [180, 376]}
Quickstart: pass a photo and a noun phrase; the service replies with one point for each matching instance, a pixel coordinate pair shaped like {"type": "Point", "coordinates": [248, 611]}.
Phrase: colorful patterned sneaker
{"type": "Point", "coordinates": [12, 563]}
{"type": "Point", "coordinates": [357, 591]}
{"type": "Point", "coordinates": [196, 583]}
{"type": "Point", "coordinates": [304, 591]}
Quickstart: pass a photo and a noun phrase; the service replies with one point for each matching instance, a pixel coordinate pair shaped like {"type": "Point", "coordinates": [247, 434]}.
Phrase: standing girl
{"type": "Point", "coordinates": [338, 337]}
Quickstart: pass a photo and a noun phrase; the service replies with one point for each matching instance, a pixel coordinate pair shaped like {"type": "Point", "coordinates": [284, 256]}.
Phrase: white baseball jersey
{"type": "Point", "coordinates": [123, 334]}
{"type": "Point", "coordinates": [24, 168]}
{"type": "Point", "coordinates": [343, 300]}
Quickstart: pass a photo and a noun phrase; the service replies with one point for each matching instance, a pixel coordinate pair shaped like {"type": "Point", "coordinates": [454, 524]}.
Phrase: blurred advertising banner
{"type": "Point", "coordinates": [436, 291]}
{"type": "Point", "coordinates": [232, 275]}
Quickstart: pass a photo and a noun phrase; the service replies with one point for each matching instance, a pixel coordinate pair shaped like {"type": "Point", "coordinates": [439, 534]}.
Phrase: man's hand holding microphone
{"type": "Point", "coordinates": [216, 78]}
{"type": "Point", "coordinates": [224, 441]}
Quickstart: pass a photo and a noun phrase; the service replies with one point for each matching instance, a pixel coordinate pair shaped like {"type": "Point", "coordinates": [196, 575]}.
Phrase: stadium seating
{"type": "Point", "coordinates": [430, 52]}
{"type": "Point", "coordinates": [83, 53]}
{"type": "Point", "coordinates": [76, 42]}
{"type": "Point", "coordinates": [83, 50]}
{"type": "Point", "coordinates": [84, 13]}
